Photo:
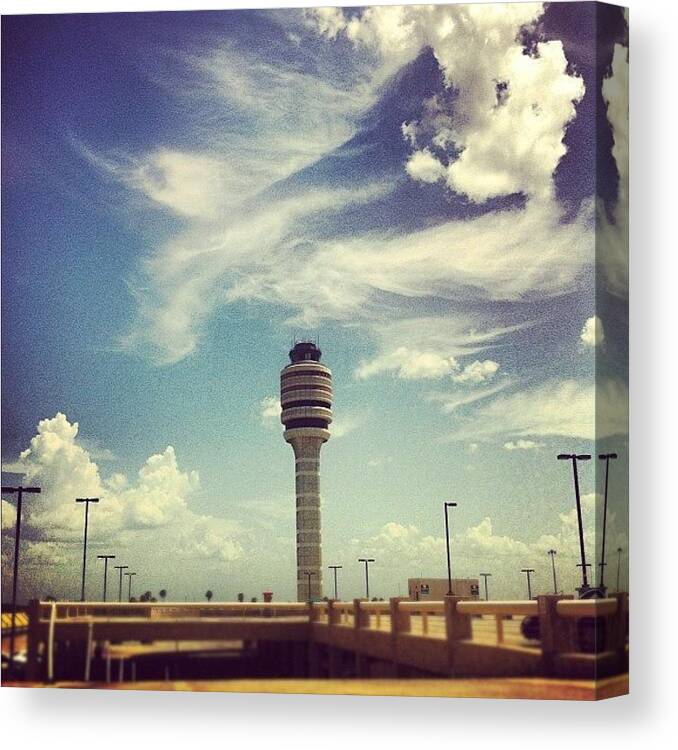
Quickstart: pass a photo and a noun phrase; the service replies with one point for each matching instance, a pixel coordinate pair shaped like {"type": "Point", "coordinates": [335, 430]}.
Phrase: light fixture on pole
{"type": "Point", "coordinates": [574, 458]}
{"type": "Point", "coordinates": [335, 568]}
{"type": "Point", "coordinates": [18, 491]}
{"type": "Point", "coordinates": [486, 576]}
{"type": "Point", "coordinates": [552, 554]}
{"type": "Point", "coordinates": [129, 586]}
{"type": "Point", "coordinates": [121, 568]}
{"type": "Point", "coordinates": [607, 457]}
{"type": "Point", "coordinates": [105, 558]}
{"type": "Point", "coordinates": [447, 542]}
{"type": "Point", "coordinates": [528, 572]}
{"type": "Point", "coordinates": [309, 574]}
{"type": "Point", "coordinates": [367, 561]}
{"type": "Point", "coordinates": [87, 501]}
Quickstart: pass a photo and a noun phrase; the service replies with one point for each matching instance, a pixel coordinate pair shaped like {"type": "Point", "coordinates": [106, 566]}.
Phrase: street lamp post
{"type": "Point", "coordinates": [447, 541]}
{"type": "Point", "coordinates": [309, 574]}
{"type": "Point", "coordinates": [584, 566]}
{"type": "Point", "coordinates": [87, 501]}
{"type": "Point", "coordinates": [367, 561]}
{"type": "Point", "coordinates": [605, 457]}
{"type": "Point", "coordinates": [528, 572]}
{"type": "Point", "coordinates": [486, 576]}
{"type": "Point", "coordinates": [105, 558]}
{"type": "Point", "coordinates": [121, 568]}
{"type": "Point", "coordinates": [129, 586]}
{"type": "Point", "coordinates": [335, 568]}
{"type": "Point", "coordinates": [552, 553]}
{"type": "Point", "coordinates": [19, 491]}
{"type": "Point", "coordinates": [619, 554]}
{"type": "Point", "coordinates": [574, 458]}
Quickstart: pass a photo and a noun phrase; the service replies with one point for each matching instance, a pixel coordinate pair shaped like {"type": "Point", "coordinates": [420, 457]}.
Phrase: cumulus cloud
{"type": "Point", "coordinates": [613, 226]}
{"type": "Point", "coordinates": [8, 515]}
{"type": "Point", "coordinates": [496, 85]}
{"type": "Point", "coordinates": [477, 372]}
{"type": "Point", "coordinates": [423, 166]}
{"type": "Point", "coordinates": [592, 333]}
{"type": "Point", "coordinates": [522, 445]}
{"type": "Point", "coordinates": [409, 364]}
{"type": "Point", "coordinates": [404, 549]}
{"type": "Point", "coordinates": [269, 411]}
{"type": "Point", "coordinates": [157, 501]}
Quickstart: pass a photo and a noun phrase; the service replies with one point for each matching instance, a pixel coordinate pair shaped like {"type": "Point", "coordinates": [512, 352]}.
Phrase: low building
{"type": "Point", "coordinates": [435, 589]}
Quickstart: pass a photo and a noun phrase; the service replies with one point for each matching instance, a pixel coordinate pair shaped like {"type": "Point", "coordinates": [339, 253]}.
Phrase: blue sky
{"type": "Point", "coordinates": [183, 193]}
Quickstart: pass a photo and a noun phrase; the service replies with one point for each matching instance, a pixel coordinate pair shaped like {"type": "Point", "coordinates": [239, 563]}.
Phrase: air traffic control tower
{"type": "Point", "coordinates": [306, 400]}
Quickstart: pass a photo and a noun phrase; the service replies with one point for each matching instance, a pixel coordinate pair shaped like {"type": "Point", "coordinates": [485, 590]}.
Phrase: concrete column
{"type": "Point", "coordinates": [555, 632]}
{"type": "Point", "coordinates": [457, 626]}
{"type": "Point", "coordinates": [32, 666]}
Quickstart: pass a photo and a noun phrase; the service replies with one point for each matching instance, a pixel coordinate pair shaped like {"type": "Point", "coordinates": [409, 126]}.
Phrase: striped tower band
{"type": "Point", "coordinates": [306, 399]}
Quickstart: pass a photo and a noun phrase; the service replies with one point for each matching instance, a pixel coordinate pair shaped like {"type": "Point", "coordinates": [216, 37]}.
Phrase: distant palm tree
{"type": "Point", "coordinates": [162, 594]}
{"type": "Point", "coordinates": [209, 595]}
{"type": "Point", "coordinates": [241, 597]}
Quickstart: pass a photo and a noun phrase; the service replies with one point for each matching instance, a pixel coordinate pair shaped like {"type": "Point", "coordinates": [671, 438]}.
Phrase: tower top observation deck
{"type": "Point", "coordinates": [305, 351]}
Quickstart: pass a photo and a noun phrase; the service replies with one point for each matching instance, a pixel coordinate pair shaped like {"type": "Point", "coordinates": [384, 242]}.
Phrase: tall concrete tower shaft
{"type": "Point", "coordinates": [306, 399]}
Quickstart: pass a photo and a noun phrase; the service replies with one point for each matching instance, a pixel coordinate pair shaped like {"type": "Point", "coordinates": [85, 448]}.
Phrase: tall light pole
{"type": "Point", "coordinates": [447, 541]}
{"type": "Point", "coordinates": [129, 586]}
{"type": "Point", "coordinates": [619, 554]}
{"type": "Point", "coordinates": [335, 568]}
{"type": "Point", "coordinates": [552, 553]}
{"type": "Point", "coordinates": [486, 576]}
{"type": "Point", "coordinates": [604, 457]}
{"type": "Point", "coordinates": [367, 561]}
{"type": "Point", "coordinates": [105, 558]}
{"type": "Point", "coordinates": [527, 572]}
{"type": "Point", "coordinates": [584, 566]}
{"type": "Point", "coordinates": [87, 501]}
{"type": "Point", "coordinates": [18, 491]}
{"type": "Point", "coordinates": [574, 458]}
{"type": "Point", "coordinates": [309, 574]}
{"type": "Point", "coordinates": [121, 568]}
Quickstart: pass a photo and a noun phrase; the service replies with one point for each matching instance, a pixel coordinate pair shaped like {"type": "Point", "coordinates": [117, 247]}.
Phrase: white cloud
{"type": "Point", "coordinates": [233, 252]}
{"type": "Point", "coordinates": [269, 410]}
{"type": "Point", "coordinates": [477, 372]}
{"type": "Point", "coordinates": [344, 425]}
{"type": "Point", "coordinates": [409, 364]}
{"type": "Point", "coordinates": [192, 185]}
{"type": "Point", "coordinates": [150, 511]}
{"type": "Point", "coordinates": [405, 550]}
{"type": "Point", "coordinates": [423, 166]}
{"type": "Point", "coordinates": [496, 158]}
{"type": "Point", "coordinates": [592, 333]}
{"type": "Point", "coordinates": [613, 230]}
{"type": "Point", "coordinates": [8, 515]}
{"type": "Point", "coordinates": [522, 445]}
{"type": "Point", "coordinates": [567, 408]}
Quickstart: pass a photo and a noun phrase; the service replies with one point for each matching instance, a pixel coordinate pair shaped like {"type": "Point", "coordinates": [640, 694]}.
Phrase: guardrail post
{"type": "Point", "coordinates": [555, 632]}
{"type": "Point", "coordinates": [617, 630]}
{"type": "Point", "coordinates": [333, 613]}
{"type": "Point", "coordinates": [361, 619]}
{"type": "Point", "coordinates": [401, 622]}
{"type": "Point", "coordinates": [33, 635]}
{"type": "Point", "coordinates": [458, 626]}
